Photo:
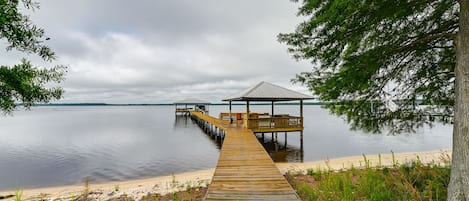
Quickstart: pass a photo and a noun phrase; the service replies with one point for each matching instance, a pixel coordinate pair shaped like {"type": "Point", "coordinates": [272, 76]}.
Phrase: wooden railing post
{"type": "Point", "coordinates": [231, 119]}
{"type": "Point", "coordinates": [247, 114]}
{"type": "Point", "coordinates": [301, 113]}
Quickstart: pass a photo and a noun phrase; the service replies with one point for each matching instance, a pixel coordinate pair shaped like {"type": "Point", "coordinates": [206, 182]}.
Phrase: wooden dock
{"type": "Point", "coordinates": [245, 170]}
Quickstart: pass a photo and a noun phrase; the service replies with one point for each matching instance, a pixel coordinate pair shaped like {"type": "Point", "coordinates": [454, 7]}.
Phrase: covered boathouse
{"type": "Point", "coordinates": [265, 122]}
{"type": "Point", "coordinates": [186, 106]}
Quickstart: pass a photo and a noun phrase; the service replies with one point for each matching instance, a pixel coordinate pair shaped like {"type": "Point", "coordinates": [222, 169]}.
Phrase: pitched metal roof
{"type": "Point", "coordinates": [265, 91]}
{"type": "Point", "coordinates": [192, 101]}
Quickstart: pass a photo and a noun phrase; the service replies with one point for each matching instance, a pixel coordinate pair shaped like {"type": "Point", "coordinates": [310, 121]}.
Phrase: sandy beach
{"type": "Point", "coordinates": [178, 182]}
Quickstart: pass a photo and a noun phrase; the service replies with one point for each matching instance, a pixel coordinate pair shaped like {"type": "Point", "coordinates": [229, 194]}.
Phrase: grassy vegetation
{"type": "Point", "coordinates": [412, 181]}
{"type": "Point", "coordinates": [18, 195]}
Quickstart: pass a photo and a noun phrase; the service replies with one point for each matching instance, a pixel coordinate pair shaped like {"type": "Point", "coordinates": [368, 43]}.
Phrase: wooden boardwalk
{"type": "Point", "coordinates": [245, 170]}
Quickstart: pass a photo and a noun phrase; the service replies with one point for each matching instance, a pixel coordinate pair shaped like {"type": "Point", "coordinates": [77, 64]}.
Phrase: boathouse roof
{"type": "Point", "coordinates": [265, 91]}
{"type": "Point", "coordinates": [192, 101]}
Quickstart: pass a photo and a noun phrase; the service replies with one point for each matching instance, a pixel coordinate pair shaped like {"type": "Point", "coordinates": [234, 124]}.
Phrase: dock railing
{"type": "Point", "coordinates": [275, 122]}
{"type": "Point", "coordinates": [237, 117]}
{"type": "Point", "coordinates": [184, 109]}
{"type": "Point", "coordinates": [264, 122]}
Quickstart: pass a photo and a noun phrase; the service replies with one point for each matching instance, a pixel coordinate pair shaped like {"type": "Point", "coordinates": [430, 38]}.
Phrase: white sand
{"type": "Point", "coordinates": [177, 182]}
{"type": "Point", "coordinates": [437, 156]}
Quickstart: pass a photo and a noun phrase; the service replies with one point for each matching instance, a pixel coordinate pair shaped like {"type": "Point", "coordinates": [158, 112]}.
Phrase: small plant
{"type": "Point", "coordinates": [394, 162]}
{"type": "Point", "coordinates": [379, 161]}
{"type": "Point", "coordinates": [175, 196]}
{"type": "Point", "coordinates": [73, 198]}
{"type": "Point", "coordinates": [173, 181]}
{"type": "Point", "coordinates": [310, 171]}
{"type": "Point", "coordinates": [42, 197]}
{"type": "Point", "coordinates": [328, 164]}
{"type": "Point", "coordinates": [445, 158]}
{"type": "Point", "coordinates": [317, 175]}
{"type": "Point", "coordinates": [87, 188]}
{"type": "Point", "coordinates": [367, 162]}
{"type": "Point", "coordinates": [18, 195]}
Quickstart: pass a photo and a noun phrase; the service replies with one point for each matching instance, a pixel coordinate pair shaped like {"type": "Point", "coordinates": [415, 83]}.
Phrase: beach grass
{"type": "Point", "coordinates": [409, 181]}
{"type": "Point", "coordinates": [18, 195]}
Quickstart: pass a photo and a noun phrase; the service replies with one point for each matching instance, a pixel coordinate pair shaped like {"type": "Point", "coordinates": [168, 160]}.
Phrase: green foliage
{"type": "Point", "coordinates": [310, 171]}
{"type": "Point", "coordinates": [23, 82]}
{"type": "Point", "coordinates": [18, 195]}
{"type": "Point", "coordinates": [364, 52]}
{"type": "Point", "coordinates": [19, 31]}
{"type": "Point", "coordinates": [413, 181]}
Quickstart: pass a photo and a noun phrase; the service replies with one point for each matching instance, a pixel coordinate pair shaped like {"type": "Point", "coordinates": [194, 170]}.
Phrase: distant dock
{"type": "Point", "coordinates": [187, 104]}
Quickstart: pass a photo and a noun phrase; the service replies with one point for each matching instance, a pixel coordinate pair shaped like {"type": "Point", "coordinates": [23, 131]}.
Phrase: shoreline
{"type": "Point", "coordinates": [201, 178]}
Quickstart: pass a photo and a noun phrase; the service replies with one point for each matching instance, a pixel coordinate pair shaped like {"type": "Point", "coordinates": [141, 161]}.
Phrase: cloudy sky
{"type": "Point", "coordinates": [149, 51]}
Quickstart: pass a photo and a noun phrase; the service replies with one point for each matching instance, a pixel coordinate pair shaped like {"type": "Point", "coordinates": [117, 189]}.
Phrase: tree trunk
{"type": "Point", "coordinates": [458, 189]}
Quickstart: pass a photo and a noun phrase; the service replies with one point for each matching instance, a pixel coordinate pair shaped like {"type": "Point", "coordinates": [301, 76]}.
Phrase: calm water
{"type": "Point", "coordinates": [51, 146]}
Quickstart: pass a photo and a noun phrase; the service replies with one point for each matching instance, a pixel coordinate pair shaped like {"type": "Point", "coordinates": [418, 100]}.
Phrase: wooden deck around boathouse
{"type": "Point", "coordinates": [245, 170]}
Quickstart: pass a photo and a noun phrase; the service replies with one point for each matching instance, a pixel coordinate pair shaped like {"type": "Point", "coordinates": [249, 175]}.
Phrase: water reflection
{"type": "Point", "coordinates": [185, 122]}
{"type": "Point", "coordinates": [108, 143]}
{"type": "Point", "coordinates": [182, 121]}
{"type": "Point", "coordinates": [279, 149]}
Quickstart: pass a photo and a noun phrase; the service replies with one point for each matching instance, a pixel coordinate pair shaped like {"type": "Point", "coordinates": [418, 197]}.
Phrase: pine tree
{"type": "Point", "coordinates": [376, 61]}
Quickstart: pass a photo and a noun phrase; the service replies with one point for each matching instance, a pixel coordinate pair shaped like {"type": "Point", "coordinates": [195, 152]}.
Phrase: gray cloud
{"type": "Point", "coordinates": [161, 51]}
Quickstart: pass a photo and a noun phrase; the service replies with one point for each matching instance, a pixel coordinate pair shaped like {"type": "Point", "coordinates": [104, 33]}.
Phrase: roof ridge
{"type": "Point", "coordinates": [267, 91]}
{"type": "Point", "coordinates": [285, 88]}
{"type": "Point", "coordinates": [255, 87]}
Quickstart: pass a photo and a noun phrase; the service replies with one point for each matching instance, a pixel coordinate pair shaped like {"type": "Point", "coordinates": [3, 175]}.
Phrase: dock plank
{"type": "Point", "coordinates": [245, 170]}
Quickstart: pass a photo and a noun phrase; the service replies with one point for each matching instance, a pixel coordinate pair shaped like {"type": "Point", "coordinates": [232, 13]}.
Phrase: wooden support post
{"type": "Point", "coordinates": [285, 139]}
{"type": "Point", "coordinates": [272, 117]}
{"type": "Point", "coordinates": [272, 108]}
{"type": "Point", "coordinates": [301, 148]}
{"type": "Point", "coordinates": [276, 146]}
{"type": "Point", "coordinates": [231, 119]}
{"type": "Point", "coordinates": [301, 115]}
{"type": "Point", "coordinates": [247, 114]}
{"type": "Point", "coordinates": [301, 141]}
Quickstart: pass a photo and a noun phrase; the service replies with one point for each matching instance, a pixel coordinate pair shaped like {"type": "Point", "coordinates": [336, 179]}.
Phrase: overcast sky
{"type": "Point", "coordinates": [149, 51]}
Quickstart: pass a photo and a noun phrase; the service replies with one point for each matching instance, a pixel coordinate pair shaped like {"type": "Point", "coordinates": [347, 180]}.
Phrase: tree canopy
{"type": "Point", "coordinates": [24, 83]}
{"type": "Point", "coordinates": [374, 59]}
{"type": "Point", "coordinates": [368, 54]}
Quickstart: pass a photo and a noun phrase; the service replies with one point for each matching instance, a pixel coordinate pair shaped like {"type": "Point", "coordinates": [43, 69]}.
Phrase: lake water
{"type": "Point", "coordinates": [50, 146]}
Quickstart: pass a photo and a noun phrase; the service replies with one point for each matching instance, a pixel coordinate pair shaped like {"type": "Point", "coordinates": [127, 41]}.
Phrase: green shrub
{"type": "Point", "coordinates": [410, 181]}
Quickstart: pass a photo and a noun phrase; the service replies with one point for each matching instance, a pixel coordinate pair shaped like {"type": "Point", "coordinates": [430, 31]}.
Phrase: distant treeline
{"type": "Point", "coordinates": [418, 102]}
{"type": "Point", "coordinates": [163, 104]}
